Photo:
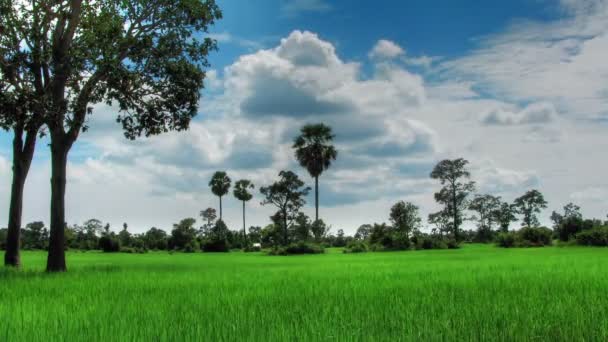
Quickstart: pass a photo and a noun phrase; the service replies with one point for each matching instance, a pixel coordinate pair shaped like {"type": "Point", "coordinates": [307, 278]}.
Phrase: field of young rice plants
{"type": "Point", "coordinates": [478, 292]}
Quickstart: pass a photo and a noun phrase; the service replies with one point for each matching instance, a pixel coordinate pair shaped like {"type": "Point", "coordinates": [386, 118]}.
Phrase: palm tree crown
{"type": "Point", "coordinates": [313, 148]}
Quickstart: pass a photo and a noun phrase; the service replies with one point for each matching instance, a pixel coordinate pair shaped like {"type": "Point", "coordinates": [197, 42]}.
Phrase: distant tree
{"type": "Point", "coordinates": [255, 234]}
{"type": "Point", "coordinates": [209, 215]}
{"type": "Point", "coordinates": [381, 234]}
{"type": "Point", "coordinates": [241, 192]}
{"type": "Point", "coordinates": [35, 236]}
{"type": "Point", "coordinates": [3, 233]}
{"type": "Point", "coordinates": [454, 194]}
{"type": "Point", "coordinates": [271, 235]}
{"type": "Point", "coordinates": [220, 185]}
{"type": "Point", "coordinates": [319, 230]}
{"type": "Point", "coordinates": [503, 215]}
{"type": "Point", "coordinates": [218, 238]}
{"type": "Point", "coordinates": [287, 195]}
{"type": "Point", "coordinates": [302, 227]}
{"type": "Point", "coordinates": [124, 236]}
{"type": "Point", "coordinates": [183, 234]}
{"type": "Point", "coordinates": [571, 210]}
{"type": "Point", "coordinates": [340, 240]}
{"type": "Point", "coordinates": [60, 58]}
{"type": "Point", "coordinates": [363, 232]}
{"type": "Point", "coordinates": [405, 219]}
{"type": "Point", "coordinates": [155, 238]}
{"type": "Point", "coordinates": [315, 153]}
{"type": "Point", "coordinates": [571, 222]}
{"type": "Point", "coordinates": [485, 207]}
{"type": "Point", "coordinates": [528, 205]}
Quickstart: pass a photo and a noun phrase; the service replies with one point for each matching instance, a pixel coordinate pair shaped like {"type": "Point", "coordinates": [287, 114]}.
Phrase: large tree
{"type": "Point", "coordinates": [241, 192]}
{"type": "Point", "coordinates": [220, 185]}
{"type": "Point", "coordinates": [454, 195]}
{"type": "Point", "coordinates": [315, 152]}
{"type": "Point", "coordinates": [485, 207]}
{"type": "Point", "coordinates": [529, 205]}
{"type": "Point", "coordinates": [287, 194]}
{"type": "Point", "coordinates": [504, 215]}
{"type": "Point", "coordinates": [145, 57]}
{"type": "Point", "coordinates": [405, 219]}
{"type": "Point", "coordinates": [20, 97]}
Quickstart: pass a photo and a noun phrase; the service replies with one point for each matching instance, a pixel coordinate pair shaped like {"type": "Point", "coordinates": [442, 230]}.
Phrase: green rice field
{"type": "Point", "coordinates": [477, 293]}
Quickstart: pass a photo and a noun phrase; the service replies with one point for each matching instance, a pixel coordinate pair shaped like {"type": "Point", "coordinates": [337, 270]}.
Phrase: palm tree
{"type": "Point", "coordinates": [220, 184]}
{"type": "Point", "coordinates": [315, 153]}
{"type": "Point", "coordinates": [242, 194]}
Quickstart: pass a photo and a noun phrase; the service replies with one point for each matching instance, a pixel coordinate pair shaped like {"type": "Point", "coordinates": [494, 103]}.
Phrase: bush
{"type": "Point", "coordinates": [452, 244]}
{"type": "Point", "coordinates": [298, 248]}
{"type": "Point", "coordinates": [215, 245]}
{"type": "Point", "coordinates": [536, 237]}
{"type": "Point", "coordinates": [597, 236]}
{"type": "Point", "coordinates": [251, 248]}
{"type": "Point", "coordinates": [506, 240]}
{"type": "Point", "coordinates": [191, 247]}
{"type": "Point", "coordinates": [109, 244]}
{"type": "Point", "coordinates": [430, 242]}
{"type": "Point", "coordinates": [356, 246]}
{"type": "Point", "coordinates": [133, 250]}
{"type": "Point", "coordinates": [526, 237]}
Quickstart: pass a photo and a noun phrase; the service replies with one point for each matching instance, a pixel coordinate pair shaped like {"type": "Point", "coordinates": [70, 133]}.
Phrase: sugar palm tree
{"type": "Point", "coordinates": [241, 192]}
{"type": "Point", "coordinates": [220, 184]}
{"type": "Point", "coordinates": [314, 152]}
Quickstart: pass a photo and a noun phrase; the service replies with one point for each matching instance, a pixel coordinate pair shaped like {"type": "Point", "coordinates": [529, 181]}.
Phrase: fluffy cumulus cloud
{"type": "Point", "coordinates": [392, 125]}
{"type": "Point", "coordinates": [386, 49]}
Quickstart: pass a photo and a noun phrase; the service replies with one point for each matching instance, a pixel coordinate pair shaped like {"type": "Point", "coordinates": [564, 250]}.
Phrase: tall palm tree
{"type": "Point", "coordinates": [241, 192]}
{"type": "Point", "coordinates": [315, 153]}
{"type": "Point", "coordinates": [220, 184]}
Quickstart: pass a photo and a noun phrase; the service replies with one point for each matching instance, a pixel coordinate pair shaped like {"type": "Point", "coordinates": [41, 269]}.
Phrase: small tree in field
{"type": "Point", "coordinates": [241, 192]}
{"type": "Point", "coordinates": [59, 58]}
{"type": "Point", "coordinates": [529, 205]}
{"type": "Point", "coordinates": [405, 219]}
{"type": "Point", "coordinates": [220, 185]}
{"type": "Point", "coordinates": [287, 195]}
{"type": "Point", "coordinates": [454, 194]}
{"type": "Point", "coordinates": [315, 153]}
{"type": "Point", "coordinates": [504, 215]}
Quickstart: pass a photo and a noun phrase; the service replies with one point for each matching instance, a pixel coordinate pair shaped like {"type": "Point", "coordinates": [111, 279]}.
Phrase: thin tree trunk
{"type": "Point", "coordinates": [22, 159]}
{"type": "Point", "coordinates": [56, 257]}
{"type": "Point", "coordinates": [285, 227]}
{"type": "Point", "coordinates": [244, 229]}
{"type": "Point", "coordinates": [220, 208]}
{"type": "Point", "coordinates": [317, 198]}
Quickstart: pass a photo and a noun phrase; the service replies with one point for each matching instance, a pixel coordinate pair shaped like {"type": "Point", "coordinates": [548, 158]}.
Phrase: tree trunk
{"type": "Point", "coordinates": [56, 257]}
{"type": "Point", "coordinates": [220, 208]}
{"type": "Point", "coordinates": [284, 227]}
{"type": "Point", "coordinates": [22, 159]}
{"type": "Point", "coordinates": [316, 198]}
{"type": "Point", "coordinates": [244, 229]}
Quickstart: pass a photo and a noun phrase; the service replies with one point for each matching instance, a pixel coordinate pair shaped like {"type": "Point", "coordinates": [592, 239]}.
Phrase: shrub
{"type": "Point", "coordinates": [526, 237]}
{"type": "Point", "coordinates": [430, 242]}
{"type": "Point", "coordinates": [298, 248]}
{"type": "Point", "coordinates": [109, 244]}
{"type": "Point", "coordinates": [251, 248]}
{"type": "Point", "coordinates": [452, 244]}
{"type": "Point", "coordinates": [536, 237]}
{"type": "Point", "coordinates": [597, 236]}
{"type": "Point", "coordinates": [356, 246]}
{"type": "Point", "coordinates": [133, 250]}
{"type": "Point", "coordinates": [191, 247]}
{"type": "Point", "coordinates": [506, 240]}
{"type": "Point", "coordinates": [215, 245]}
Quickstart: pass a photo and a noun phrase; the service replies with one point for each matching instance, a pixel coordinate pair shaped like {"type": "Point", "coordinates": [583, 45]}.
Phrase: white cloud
{"type": "Point", "coordinates": [536, 113]}
{"type": "Point", "coordinates": [386, 49]}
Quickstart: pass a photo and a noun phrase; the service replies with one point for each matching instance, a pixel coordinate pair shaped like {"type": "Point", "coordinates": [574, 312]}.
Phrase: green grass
{"type": "Point", "coordinates": [475, 293]}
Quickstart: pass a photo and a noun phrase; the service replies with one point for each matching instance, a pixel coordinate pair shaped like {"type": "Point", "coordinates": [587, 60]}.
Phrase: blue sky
{"type": "Point", "coordinates": [518, 87]}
